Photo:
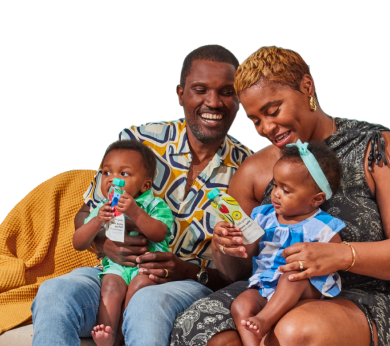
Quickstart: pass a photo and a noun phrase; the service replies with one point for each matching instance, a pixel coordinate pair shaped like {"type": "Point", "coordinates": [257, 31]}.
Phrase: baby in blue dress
{"type": "Point", "coordinates": [304, 177]}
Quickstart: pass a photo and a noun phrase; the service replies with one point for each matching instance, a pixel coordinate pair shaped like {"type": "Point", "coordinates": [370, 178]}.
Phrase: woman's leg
{"type": "Point", "coordinates": [66, 306]}
{"type": "Point", "coordinates": [112, 295]}
{"type": "Point", "coordinates": [207, 317]}
{"type": "Point", "coordinates": [285, 297]}
{"type": "Point", "coordinates": [248, 303]}
{"type": "Point", "coordinates": [336, 322]}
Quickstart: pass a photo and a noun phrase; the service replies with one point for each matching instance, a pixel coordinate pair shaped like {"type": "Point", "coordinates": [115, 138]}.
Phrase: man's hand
{"type": "Point", "coordinates": [155, 265]}
{"type": "Point", "coordinates": [122, 253]}
{"type": "Point", "coordinates": [127, 205]}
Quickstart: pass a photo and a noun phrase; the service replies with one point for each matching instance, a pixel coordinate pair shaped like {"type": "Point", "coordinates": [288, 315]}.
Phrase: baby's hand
{"type": "Point", "coordinates": [226, 229]}
{"type": "Point", "coordinates": [127, 205]}
{"type": "Point", "coordinates": [105, 213]}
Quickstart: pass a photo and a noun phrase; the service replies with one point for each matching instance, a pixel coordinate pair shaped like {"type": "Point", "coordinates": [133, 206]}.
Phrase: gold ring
{"type": "Point", "coordinates": [166, 273]}
{"type": "Point", "coordinates": [300, 265]}
{"type": "Point", "coordinates": [222, 249]}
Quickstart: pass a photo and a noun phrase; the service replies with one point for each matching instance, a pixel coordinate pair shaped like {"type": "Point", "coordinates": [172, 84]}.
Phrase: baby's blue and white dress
{"type": "Point", "coordinates": [320, 227]}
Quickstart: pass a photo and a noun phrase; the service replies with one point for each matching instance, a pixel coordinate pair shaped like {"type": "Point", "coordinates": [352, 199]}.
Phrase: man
{"type": "Point", "coordinates": [194, 156]}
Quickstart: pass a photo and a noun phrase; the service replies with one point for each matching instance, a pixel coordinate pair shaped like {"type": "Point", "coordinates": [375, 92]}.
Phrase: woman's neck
{"type": "Point", "coordinates": [324, 127]}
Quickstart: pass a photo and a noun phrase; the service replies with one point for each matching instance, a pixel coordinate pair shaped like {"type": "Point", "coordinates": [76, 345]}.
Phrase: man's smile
{"type": "Point", "coordinates": [211, 118]}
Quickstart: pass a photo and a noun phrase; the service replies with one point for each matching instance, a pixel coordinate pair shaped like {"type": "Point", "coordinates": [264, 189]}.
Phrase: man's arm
{"type": "Point", "coordinates": [154, 264]}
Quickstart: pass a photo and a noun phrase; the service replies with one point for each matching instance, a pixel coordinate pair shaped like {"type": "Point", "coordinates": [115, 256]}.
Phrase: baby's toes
{"type": "Point", "coordinates": [108, 329]}
{"type": "Point", "coordinates": [244, 323]}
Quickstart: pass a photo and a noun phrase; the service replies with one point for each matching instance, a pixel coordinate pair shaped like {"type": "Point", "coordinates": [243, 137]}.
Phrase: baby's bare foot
{"type": "Point", "coordinates": [256, 325]}
{"type": "Point", "coordinates": [103, 336]}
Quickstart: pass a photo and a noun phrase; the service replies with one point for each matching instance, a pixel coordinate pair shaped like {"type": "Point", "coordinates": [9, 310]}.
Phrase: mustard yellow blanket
{"type": "Point", "coordinates": [36, 243]}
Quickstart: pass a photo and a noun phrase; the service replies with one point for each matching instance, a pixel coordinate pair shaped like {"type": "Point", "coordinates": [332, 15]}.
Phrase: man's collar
{"type": "Point", "coordinates": [224, 151]}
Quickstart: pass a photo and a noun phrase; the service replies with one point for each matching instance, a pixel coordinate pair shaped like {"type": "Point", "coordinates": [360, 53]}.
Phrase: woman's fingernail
{"type": "Point", "coordinates": [138, 260]}
{"type": "Point", "coordinates": [291, 277]}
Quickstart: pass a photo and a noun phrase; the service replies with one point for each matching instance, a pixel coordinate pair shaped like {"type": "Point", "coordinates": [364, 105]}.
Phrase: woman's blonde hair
{"type": "Point", "coordinates": [271, 64]}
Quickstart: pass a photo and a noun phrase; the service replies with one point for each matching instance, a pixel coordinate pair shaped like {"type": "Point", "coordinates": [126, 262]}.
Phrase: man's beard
{"type": "Point", "coordinates": [205, 137]}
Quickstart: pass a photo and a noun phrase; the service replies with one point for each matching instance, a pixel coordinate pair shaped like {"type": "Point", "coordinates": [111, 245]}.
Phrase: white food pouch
{"type": "Point", "coordinates": [227, 208]}
{"type": "Point", "coordinates": [115, 228]}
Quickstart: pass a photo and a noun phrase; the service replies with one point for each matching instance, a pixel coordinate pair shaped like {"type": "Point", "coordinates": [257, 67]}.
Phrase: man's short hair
{"type": "Point", "coordinates": [148, 158]}
{"type": "Point", "coordinates": [212, 52]}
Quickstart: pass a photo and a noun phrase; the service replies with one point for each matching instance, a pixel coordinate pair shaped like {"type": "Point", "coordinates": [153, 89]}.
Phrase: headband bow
{"type": "Point", "coordinates": [313, 167]}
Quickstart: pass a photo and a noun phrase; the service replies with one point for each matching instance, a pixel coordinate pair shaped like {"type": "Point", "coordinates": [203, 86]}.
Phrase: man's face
{"type": "Point", "coordinates": [209, 101]}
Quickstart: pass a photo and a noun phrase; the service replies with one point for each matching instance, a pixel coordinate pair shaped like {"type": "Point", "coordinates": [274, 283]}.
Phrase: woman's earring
{"type": "Point", "coordinates": [313, 104]}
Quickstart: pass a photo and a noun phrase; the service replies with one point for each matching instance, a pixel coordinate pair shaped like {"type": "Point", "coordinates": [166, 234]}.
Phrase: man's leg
{"type": "Point", "coordinates": [149, 317]}
{"type": "Point", "coordinates": [65, 308]}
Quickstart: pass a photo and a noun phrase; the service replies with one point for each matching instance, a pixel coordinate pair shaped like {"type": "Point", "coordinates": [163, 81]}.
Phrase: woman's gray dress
{"type": "Point", "coordinates": [356, 206]}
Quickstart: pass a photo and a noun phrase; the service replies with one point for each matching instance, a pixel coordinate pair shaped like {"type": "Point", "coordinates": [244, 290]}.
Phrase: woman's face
{"type": "Point", "coordinates": [279, 113]}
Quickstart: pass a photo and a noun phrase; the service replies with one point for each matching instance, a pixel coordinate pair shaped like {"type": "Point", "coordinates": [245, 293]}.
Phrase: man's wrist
{"type": "Point", "coordinates": [203, 275]}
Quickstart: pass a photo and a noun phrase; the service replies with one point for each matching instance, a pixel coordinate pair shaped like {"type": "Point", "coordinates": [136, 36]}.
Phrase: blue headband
{"type": "Point", "coordinates": [313, 167]}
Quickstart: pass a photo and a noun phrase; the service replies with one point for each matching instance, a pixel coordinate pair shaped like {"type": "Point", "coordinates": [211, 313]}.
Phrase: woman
{"type": "Point", "coordinates": [277, 91]}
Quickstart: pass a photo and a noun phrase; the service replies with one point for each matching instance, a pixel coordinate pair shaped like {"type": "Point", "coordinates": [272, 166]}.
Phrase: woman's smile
{"type": "Point", "coordinates": [282, 139]}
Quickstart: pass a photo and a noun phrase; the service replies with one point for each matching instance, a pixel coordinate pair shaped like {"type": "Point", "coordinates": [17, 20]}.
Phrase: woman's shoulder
{"type": "Point", "coordinates": [261, 160]}
{"type": "Point", "coordinates": [359, 126]}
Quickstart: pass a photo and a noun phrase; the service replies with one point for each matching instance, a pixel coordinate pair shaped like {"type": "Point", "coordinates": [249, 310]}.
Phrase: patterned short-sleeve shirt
{"type": "Point", "coordinates": [193, 226]}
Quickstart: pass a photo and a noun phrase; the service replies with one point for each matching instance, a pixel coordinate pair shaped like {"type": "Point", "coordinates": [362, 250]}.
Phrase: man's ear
{"type": "Point", "coordinates": [147, 185]}
{"type": "Point", "coordinates": [179, 92]}
{"type": "Point", "coordinates": [318, 199]}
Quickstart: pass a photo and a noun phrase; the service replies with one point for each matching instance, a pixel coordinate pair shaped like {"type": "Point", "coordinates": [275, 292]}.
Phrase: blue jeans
{"type": "Point", "coordinates": [65, 309]}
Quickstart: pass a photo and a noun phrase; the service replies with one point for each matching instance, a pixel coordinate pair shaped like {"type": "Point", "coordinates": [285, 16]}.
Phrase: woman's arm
{"type": "Point", "coordinates": [372, 259]}
{"type": "Point", "coordinates": [247, 187]}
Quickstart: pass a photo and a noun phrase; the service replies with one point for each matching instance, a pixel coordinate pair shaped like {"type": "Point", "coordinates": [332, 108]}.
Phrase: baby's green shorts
{"type": "Point", "coordinates": [110, 267]}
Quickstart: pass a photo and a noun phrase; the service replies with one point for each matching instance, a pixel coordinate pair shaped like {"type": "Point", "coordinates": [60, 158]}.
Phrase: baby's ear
{"type": "Point", "coordinates": [318, 199]}
{"type": "Point", "coordinates": [147, 185]}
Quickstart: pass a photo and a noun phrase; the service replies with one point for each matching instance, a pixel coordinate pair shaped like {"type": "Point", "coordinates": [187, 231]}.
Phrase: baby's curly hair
{"type": "Point", "coordinates": [326, 158]}
{"type": "Point", "coordinates": [148, 158]}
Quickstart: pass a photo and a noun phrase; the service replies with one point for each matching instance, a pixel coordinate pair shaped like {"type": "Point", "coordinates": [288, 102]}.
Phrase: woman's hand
{"type": "Point", "coordinates": [317, 259]}
{"type": "Point", "coordinates": [166, 266]}
{"type": "Point", "coordinates": [228, 239]}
